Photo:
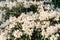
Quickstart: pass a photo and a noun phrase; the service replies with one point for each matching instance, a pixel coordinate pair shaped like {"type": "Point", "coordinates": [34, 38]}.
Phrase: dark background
{"type": "Point", "coordinates": [56, 3]}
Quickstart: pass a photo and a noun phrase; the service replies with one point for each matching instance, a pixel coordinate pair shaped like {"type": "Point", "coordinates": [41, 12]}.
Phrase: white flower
{"type": "Point", "coordinates": [30, 13]}
{"type": "Point", "coordinates": [53, 37]}
{"type": "Point", "coordinates": [28, 31]}
{"type": "Point", "coordinates": [47, 0]}
{"type": "Point", "coordinates": [14, 3]}
{"type": "Point", "coordinates": [43, 32]}
{"type": "Point", "coordinates": [11, 4]}
{"type": "Point", "coordinates": [26, 4]}
{"type": "Point", "coordinates": [21, 0]}
{"type": "Point", "coordinates": [30, 2]}
{"type": "Point", "coordinates": [45, 24]}
{"type": "Point", "coordinates": [8, 29]}
{"type": "Point", "coordinates": [47, 7]}
{"type": "Point", "coordinates": [51, 30]}
{"type": "Point", "coordinates": [12, 19]}
{"type": "Point", "coordinates": [17, 34]}
{"type": "Point", "coordinates": [2, 4]}
{"type": "Point", "coordinates": [56, 19]}
{"type": "Point", "coordinates": [43, 16]}
{"type": "Point", "coordinates": [0, 16]}
{"type": "Point", "coordinates": [40, 8]}
{"type": "Point", "coordinates": [22, 18]}
{"type": "Point", "coordinates": [38, 3]}
{"type": "Point", "coordinates": [4, 25]}
{"type": "Point", "coordinates": [57, 35]}
{"type": "Point", "coordinates": [52, 14]}
{"type": "Point", "coordinates": [28, 24]}
{"type": "Point", "coordinates": [38, 25]}
{"type": "Point", "coordinates": [34, 3]}
{"type": "Point", "coordinates": [3, 37]}
{"type": "Point", "coordinates": [57, 25]}
{"type": "Point", "coordinates": [11, 26]}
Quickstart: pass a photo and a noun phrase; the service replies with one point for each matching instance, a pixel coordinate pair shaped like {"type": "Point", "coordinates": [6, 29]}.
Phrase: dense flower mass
{"type": "Point", "coordinates": [29, 20]}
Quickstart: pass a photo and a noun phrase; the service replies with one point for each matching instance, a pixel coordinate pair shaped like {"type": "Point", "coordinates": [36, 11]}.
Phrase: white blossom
{"type": "Point", "coordinates": [17, 34]}
{"type": "Point", "coordinates": [30, 20]}
{"type": "Point", "coordinates": [53, 38]}
{"type": "Point", "coordinates": [26, 4]}
{"type": "Point", "coordinates": [2, 37]}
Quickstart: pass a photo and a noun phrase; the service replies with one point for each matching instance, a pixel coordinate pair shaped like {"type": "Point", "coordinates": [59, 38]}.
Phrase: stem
{"type": "Point", "coordinates": [44, 38]}
{"type": "Point", "coordinates": [14, 38]}
{"type": "Point", "coordinates": [26, 10]}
